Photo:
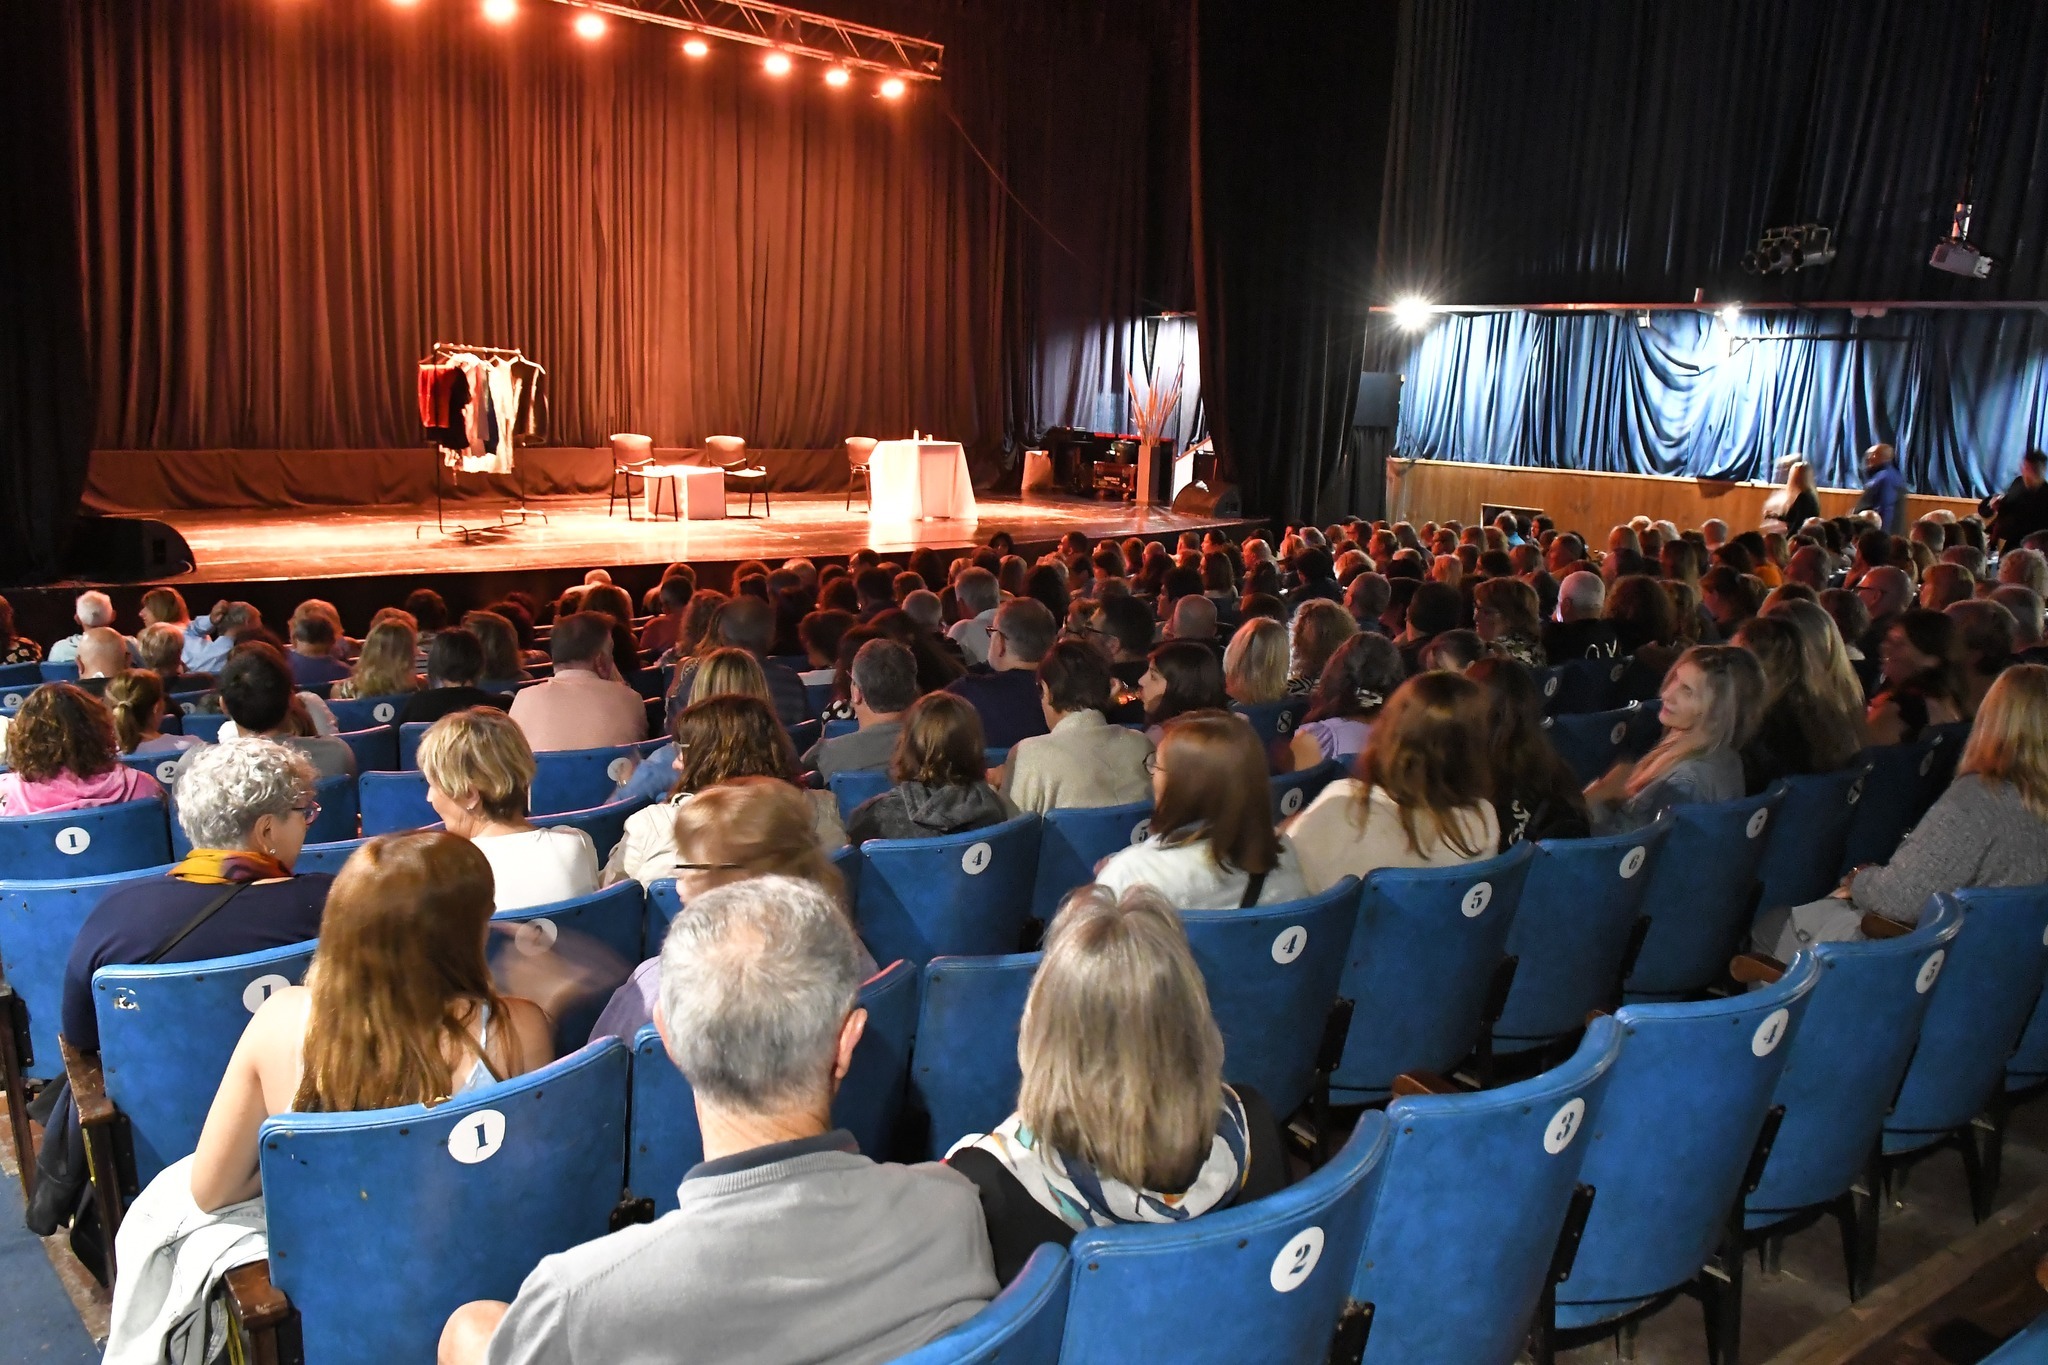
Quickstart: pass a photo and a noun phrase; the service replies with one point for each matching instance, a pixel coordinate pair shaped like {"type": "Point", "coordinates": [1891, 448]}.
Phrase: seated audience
{"type": "Point", "coordinates": [978, 596]}
{"type": "Point", "coordinates": [1578, 632]}
{"type": "Point", "coordinates": [1355, 684]}
{"type": "Point", "coordinates": [102, 656]}
{"type": "Point", "coordinates": [938, 663]}
{"type": "Point", "coordinates": [1645, 621]}
{"type": "Point", "coordinates": [585, 705]}
{"type": "Point", "coordinates": [1922, 682]}
{"type": "Point", "coordinates": [1989, 828]}
{"type": "Point", "coordinates": [884, 684]}
{"type": "Point", "coordinates": [1421, 796]}
{"type": "Point", "coordinates": [312, 655]}
{"type": "Point", "coordinates": [1452, 651]}
{"type": "Point", "coordinates": [455, 664]}
{"type": "Point", "coordinates": [672, 599]}
{"type": "Point", "coordinates": [748, 623]}
{"type": "Point", "coordinates": [1007, 695]}
{"type": "Point", "coordinates": [720, 673]}
{"type": "Point", "coordinates": [1212, 845]}
{"type": "Point", "coordinates": [245, 806]}
{"type": "Point", "coordinates": [256, 693]}
{"type": "Point", "coordinates": [63, 754]}
{"type": "Point", "coordinates": [302, 1052]}
{"type": "Point", "coordinates": [2023, 567]}
{"type": "Point", "coordinates": [1710, 701]}
{"type": "Point", "coordinates": [1117, 1011]}
{"type": "Point", "coordinates": [1944, 585]}
{"type": "Point", "coordinates": [162, 649]}
{"type": "Point", "coordinates": [717, 740]}
{"type": "Point", "coordinates": [384, 668]}
{"type": "Point", "coordinates": [1255, 663]}
{"type": "Point", "coordinates": [1180, 676]}
{"type": "Point", "coordinates": [1984, 632]}
{"type": "Point", "coordinates": [1796, 731]}
{"type": "Point", "coordinates": [758, 986]}
{"type": "Point", "coordinates": [1535, 795]}
{"type": "Point", "coordinates": [1082, 760]}
{"type": "Point", "coordinates": [940, 772]}
{"type": "Point", "coordinates": [1125, 630]}
{"type": "Point", "coordinates": [1504, 615]}
{"type": "Point", "coordinates": [2024, 606]}
{"type": "Point", "coordinates": [1830, 673]}
{"type": "Point", "coordinates": [1367, 598]}
{"type": "Point", "coordinates": [1194, 619]}
{"type": "Point", "coordinates": [479, 773]}
{"type": "Point", "coordinates": [1431, 609]}
{"type": "Point", "coordinates": [136, 700]}
{"type": "Point", "coordinates": [1320, 626]}
{"type": "Point", "coordinates": [1885, 591]}
{"type": "Point", "coordinates": [15, 649]}
{"type": "Point", "coordinates": [495, 634]}
{"type": "Point", "coordinates": [93, 610]}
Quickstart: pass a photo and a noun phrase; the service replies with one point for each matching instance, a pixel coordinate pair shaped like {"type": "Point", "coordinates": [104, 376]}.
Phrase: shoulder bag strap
{"type": "Point", "coordinates": [1254, 883]}
{"type": "Point", "coordinates": [206, 912]}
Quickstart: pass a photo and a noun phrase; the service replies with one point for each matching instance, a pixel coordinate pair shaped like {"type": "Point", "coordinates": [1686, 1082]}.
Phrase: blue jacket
{"type": "Point", "coordinates": [1884, 490]}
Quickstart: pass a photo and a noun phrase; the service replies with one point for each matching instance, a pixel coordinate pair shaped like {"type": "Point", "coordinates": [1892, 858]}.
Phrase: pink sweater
{"type": "Point", "coordinates": [65, 791]}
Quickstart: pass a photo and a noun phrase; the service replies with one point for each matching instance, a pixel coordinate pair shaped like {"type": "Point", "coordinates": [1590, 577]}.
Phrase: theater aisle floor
{"type": "Point", "coordinates": [41, 1324]}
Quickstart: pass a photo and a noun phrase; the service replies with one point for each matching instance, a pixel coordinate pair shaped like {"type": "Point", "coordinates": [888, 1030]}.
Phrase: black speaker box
{"type": "Point", "coordinates": [127, 550]}
{"type": "Point", "coordinates": [1379, 400]}
{"type": "Point", "coordinates": [1202, 500]}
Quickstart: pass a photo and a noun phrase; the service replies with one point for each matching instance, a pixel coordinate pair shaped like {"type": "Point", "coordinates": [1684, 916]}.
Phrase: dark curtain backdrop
{"type": "Point", "coordinates": [284, 204]}
{"type": "Point", "coordinates": [1615, 150]}
{"type": "Point", "coordinates": [1962, 395]}
{"type": "Point", "coordinates": [1289, 133]}
{"type": "Point", "coordinates": [45, 408]}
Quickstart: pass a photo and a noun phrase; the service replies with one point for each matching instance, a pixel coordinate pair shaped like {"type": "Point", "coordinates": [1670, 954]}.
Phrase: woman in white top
{"type": "Point", "coordinates": [1212, 845]}
{"type": "Point", "coordinates": [716, 741]}
{"type": "Point", "coordinates": [479, 770]}
{"type": "Point", "coordinates": [1421, 794]}
{"type": "Point", "coordinates": [441, 1026]}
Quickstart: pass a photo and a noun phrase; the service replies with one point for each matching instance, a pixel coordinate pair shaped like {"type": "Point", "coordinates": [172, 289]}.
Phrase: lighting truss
{"type": "Point", "coordinates": [797, 32]}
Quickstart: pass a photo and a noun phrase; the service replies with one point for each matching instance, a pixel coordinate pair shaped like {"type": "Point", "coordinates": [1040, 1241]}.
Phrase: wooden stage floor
{"type": "Point", "coordinates": [329, 543]}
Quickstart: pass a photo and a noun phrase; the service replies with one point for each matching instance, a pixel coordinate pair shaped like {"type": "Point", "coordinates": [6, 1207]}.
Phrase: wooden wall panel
{"type": "Point", "coordinates": [1433, 490]}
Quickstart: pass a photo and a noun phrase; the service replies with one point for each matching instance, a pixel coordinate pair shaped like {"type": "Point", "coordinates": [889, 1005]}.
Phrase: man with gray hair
{"type": "Point", "coordinates": [1007, 695]}
{"type": "Point", "coordinates": [1885, 592]}
{"type": "Point", "coordinates": [1193, 618]}
{"type": "Point", "coordinates": [2028, 568]}
{"type": "Point", "coordinates": [1578, 632]}
{"type": "Point", "coordinates": [979, 595]}
{"type": "Point", "coordinates": [93, 610]}
{"type": "Point", "coordinates": [786, 1244]}
{"type": "Point", "coordinates": [2025, 605]}
{"type": "Point", "coordinates": [883, 685]}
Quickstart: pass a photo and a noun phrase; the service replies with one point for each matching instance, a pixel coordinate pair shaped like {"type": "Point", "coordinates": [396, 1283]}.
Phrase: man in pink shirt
{"type": "Point", "coordinates": [585, 705]}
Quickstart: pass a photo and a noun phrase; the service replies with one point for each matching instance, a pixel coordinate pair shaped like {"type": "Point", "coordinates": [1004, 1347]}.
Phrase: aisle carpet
{"type": "Point", "coordinates": [41, 1324]}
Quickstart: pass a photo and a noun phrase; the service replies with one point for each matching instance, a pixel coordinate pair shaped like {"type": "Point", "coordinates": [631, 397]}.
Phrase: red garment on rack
{"type": "Point", "coordinates": [437, 387]}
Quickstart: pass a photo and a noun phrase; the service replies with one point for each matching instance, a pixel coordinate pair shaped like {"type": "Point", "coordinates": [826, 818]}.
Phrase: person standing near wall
{"type": "Point", "coordinates": [1884, 488]}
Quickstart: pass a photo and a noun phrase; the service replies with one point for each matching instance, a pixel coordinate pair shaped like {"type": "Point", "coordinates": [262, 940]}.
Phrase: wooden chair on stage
{"type": "Point", "coordinates": [632, 456]}
{"type": "Point", "coordinates": [859, 450]}
{"type": "Point", "coordinates": [729, 453]}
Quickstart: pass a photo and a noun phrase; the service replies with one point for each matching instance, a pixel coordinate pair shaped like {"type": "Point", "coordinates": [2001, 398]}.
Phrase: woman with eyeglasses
{"type": "Point", "coordinates": [746, 827]}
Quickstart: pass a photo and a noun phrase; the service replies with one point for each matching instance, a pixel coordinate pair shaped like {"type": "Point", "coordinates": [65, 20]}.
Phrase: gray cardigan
{"type": "Point", "coordinates": [1978, 834]}
{"type": "Point", "coordinates": [1712, 776]}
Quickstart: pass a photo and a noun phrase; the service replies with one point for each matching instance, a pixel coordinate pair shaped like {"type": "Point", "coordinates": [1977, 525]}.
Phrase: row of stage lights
{"type": "Point", "coordinates": [590, 26]}
{"type": "Point", "coordinates": [1412, 314]}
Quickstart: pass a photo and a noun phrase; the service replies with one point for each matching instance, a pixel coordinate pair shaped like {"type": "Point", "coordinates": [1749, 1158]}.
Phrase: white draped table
{"type": "Point", "coordinates": [920, 481]}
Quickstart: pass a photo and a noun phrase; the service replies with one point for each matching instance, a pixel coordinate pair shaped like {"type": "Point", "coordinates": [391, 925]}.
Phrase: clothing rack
{"type": "Point", "coordinates": [441, 351]}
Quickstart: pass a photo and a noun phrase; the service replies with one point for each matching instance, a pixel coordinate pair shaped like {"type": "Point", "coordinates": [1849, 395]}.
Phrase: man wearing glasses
{"type": "Point", "coordinates": [1007, 695]}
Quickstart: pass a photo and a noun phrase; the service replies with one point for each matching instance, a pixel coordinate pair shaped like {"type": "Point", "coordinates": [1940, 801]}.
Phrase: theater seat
{"type": "Point", "coordinates": [965, 1073]}
{"type": "Point", "coordinates": [1072, 841]}
{"type": "Point", "coordinates": [605, 824]}
{"type": "Point", "coordinates": [360, 713]}
{"type": "Point", "coordinates": [596, 936]}
{"type": "Point", "coordinates": [394, 803]}
{"type": "Point", "coordinates": [850, 789]}
{"type": "Point", "coordinates": [93, 842]}
{"type": "Point", "coordinates": [1020, 1326]}
{"type": "Point", "coordinates": [375, 748]}
{"type": "Point", "coordinates": [1273, 721]}
{"type": "Point", "coordinates": [1803, 857]}
{"type": "Point", "coordinates": [579, 779]}
{"type": "Point", "coordinates": [962, 894]}
{"type": "Point", "coordinates": [1702, 895]}
{"type": "Point", "coordinates": [1894, 795]}
{"type": "Point", "coordinates": [1293, 791]}
{"type": "Point", "coordinates": [326, 858]}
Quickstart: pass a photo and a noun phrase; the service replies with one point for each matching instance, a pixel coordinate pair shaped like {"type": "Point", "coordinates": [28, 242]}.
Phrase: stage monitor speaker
{"type": "Point", "coordinates": [1379, 400]}
{"type": "Point", "coordinates": [1203, 500]}
{"type": "Point", "coordinates": [127, 550]}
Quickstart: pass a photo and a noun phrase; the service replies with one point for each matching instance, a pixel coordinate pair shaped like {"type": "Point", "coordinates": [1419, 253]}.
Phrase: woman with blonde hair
{"type": "Point", "coordinates": [715, 741]}
{"type": "Point", "coordinates": [479, 771]}
{"type": "Point", "coordinates": [1255, 663]}
{"type": "Point", "coordinates": [1320, 627]}
{"type": "Point", "coordinates": [385, 668]}
{"type": "Point", "coordinates": [1711, 698]}
{"type": "Point", "coordinates": [746, 827]}
{"type": "Point", "coordinates": [1990, 828]}
{"type": "Point", "coordinates": [1796, 732]}
{"type": "Point", "coordinates": [398, 1008]}
{"type": "Point", "coordinates": [725, 672]}
{"type": "Point", "coordinates": [1212, 845]}
{"type": "Point", "coordinates": [940, 771]}
{"type": "Point", "coordinates": [1792, 506]}
{"type": "Point", "coordinates": [1421, 793]}
{"type": "Point", "coordinates": [1830, 671]}
{"type": "Point", "coordinates": [136, 699]}
{"type": "Point", "coordinates": [1122, 1114]}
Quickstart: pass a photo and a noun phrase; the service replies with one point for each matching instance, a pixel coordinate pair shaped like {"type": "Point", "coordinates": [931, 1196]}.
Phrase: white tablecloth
{"type": "Point", "coordinates": [919, 480]}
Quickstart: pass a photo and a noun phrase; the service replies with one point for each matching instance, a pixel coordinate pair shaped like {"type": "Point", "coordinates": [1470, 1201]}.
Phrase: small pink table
{"type": "Point", "coordinates": [696, 492]}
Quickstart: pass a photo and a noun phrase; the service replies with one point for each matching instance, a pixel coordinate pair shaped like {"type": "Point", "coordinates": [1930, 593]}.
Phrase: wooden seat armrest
{"type": "Point", "coordinates": [1753, 968]}
{"type": "Point", "coordinates": [88, 1084]}
{"type": "Point", "coordinates": [1425, 1083]}
{"type": "Point", "coordinates": [1877, 926]}
{"type": "Point", "coordinates": [255, 1302]}
{"type": "Point", "coordinates": [1591, 1015]}
{"type": "Point", "coordinates": [2041, 1272]}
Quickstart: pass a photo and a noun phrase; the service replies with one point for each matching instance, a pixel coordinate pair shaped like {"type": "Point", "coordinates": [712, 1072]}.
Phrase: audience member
{"type": "Point", "coordinates": [1922, 682]}
{"type": "Point", "coordinates": [1989, 828]}
{"type": "Point", "coordinates": [62, 754]}
{"type": "Point", "coordinates": [748, 623]}
{"type": "Point", "coordinates": [1884, 592]}
{"type": "Point", "coordinates": [1579, 632]}
{"type": "Point", "coordinates": [1125, 631]}
{"type": "Point", "coordinates": [1534, 794]}
{"type": "Point", "coordinates": [1504, 613]}
{"type": "Point", "coordinates": [2024, 567]}
{"type": "Point", "coordinates": [1118, 1010]}
{"type": "Point", "coordinates": [312, 657]}
{"type": "Point", "coordinates": [1194, 618]}
{"type": "Point", "coordinates": [455, 664]}
{"type": "Point", "coordinates": [1452, 651]}
{"type": "Point", "coordinates": [385, 668]}
{"type": "Point", "coordinates": [672, 598]}
{"type": "Point", "coordinates": [1984, 633]}
{"type": "Point", "coordinates": [14, 648]}
{"type": "Point", "coordinates": [979, 595]}
{"type": "Point", "coordinates": [1421, 793]}
{"type": "Point", "coordinates": [1255, 663]}
{"type": "Point", "coordinates": [884, 686]}
{"type": "Point", "coordinates": [93, 610]}
{"type": "Point", "coordinates": [1320, 626]}
{"type": "Point", "coordinates": [1710, 700]}
{"type": "Point", "coordinates": [1944, 585]}
{"type": "Point", "coordinates": [479, 771]}
{"type": "Point", "coordinates": [1007, 695]}
{"type": "Point", "coordinates": [584, 705]}
{"type": "Point", "coordinates": [102, 655]}
{"type": "Point", "coordinates": [256, 694]}
{"type": "Point", "coordinates": [2024, 606]}
{"type": "Point", "coordinates": [136, 701]}
{"type": "Point", "coordinates": [940, 775]}
{"type": "Point", "coordinates": [1796, 731]}
{"type": "Point", "coordinates": [1355, 685]}
{"type": "Point", "coordinates": [1082, 760]}
{"type": "Point", "coordinates": [1180, 676]}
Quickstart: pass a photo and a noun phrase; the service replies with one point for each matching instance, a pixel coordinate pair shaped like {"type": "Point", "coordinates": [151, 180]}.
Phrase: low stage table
{"type": "Point", "coordinates": [696, 492]}
{"type": "Point", "coordinates": [920, 481]}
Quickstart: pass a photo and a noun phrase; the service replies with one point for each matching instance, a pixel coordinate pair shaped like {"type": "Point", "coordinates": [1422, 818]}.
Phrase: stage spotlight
{"type": "Point", "coordinates": [1730, 314]}
{"type": "Point", "coordinates": [837, 77]}
{"type": "Point", "coordinates": [776, 64]}
{"type": "Point", "coordinates": [590, 27]}
{"type": "Point", "coordinates": [1412, 314]}
{"type": "Point", "coordinates": [893, 88]}
{"type": "Point", "coordinates": [405, 4]}
{"type": "Point", "coordinates": [696, 47]}
{"type": "Point", "coordinates": [501, 11]}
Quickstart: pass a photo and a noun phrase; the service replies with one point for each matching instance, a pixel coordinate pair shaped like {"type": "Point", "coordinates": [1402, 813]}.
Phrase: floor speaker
{"type": "Point", "coordinates": [1203, 500]}
{"type": "Point", "coordinates": [128, 550]}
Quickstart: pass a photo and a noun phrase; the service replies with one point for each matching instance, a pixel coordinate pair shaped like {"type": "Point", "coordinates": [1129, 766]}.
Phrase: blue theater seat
{"type": "Point", "coordinates": [409, 736]}
{"type": "Point", "coordinates": [1894, 795]}
{"type": "Point", "coordinates": [1803, 858]}
{"type": "Point", "coordinates": [605, 824]}
{"type": "Point", "coordinates": [965, 1073]}
{"type": "Point", "coordinates": [19, 679]}
{"type": "Point", "coordinates": [204, 725]}
{"type": "Point", "coordinates": [93, 842]}
{"type": "Point", "coordinates": [1687, 1111]}
{"type": "Point", "coordinates": [1272, 973]}
{"type": "Point", "coordinates": [579, 779]}
{"type": "Point", "coordinates": [328, 857]}
{"type": "Point", "coordinates": [1020, 1326]}
{"type": "Point", "coordinates": [479, 1188]}
{"type": "Point", "coordinates": [1426, 953]}
{"type": "Point", "coordinates": [1265, 1281]}
{"type": "Point", "coordinates": [1477, 1191]}
{"type": "Point", "coordinates": [158, 766]}
{"type": "Point", "coordinates": [394, 803]}
{"type": "Point", "coordinates": [1580, 910]}
{"type": "Point", "coordinates": [1293, 791]}
{"type": "Point", "coordinates": [1702, 895]}
{"type": "Point", "coordinates": [360, 713]}
{"type": "Point", "coordinates": [851, 788]}
{"type": "Point", "coordinates": [665, 1139]}
{"type": "Point", "coordinates": [375, 748]}
{"type": "Point", "coordinates": [599, 934]}
{"type": "Point", "coordinates": [51, 673]}
{"type": "Point", "coordinates": [1587, 685]}
{"type": "Point", "coordinates": [962, 894]}
{"type": "Point", "coordinates": [1072, 841]}
{"type": "Point", "coordinates": [1273, 721]}
{"type": "Point", "coordinates": [1588, 742]}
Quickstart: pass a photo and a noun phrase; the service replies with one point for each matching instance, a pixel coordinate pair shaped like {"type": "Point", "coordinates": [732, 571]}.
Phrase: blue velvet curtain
{"type": "Point", "coordinates": [1962, 395]}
